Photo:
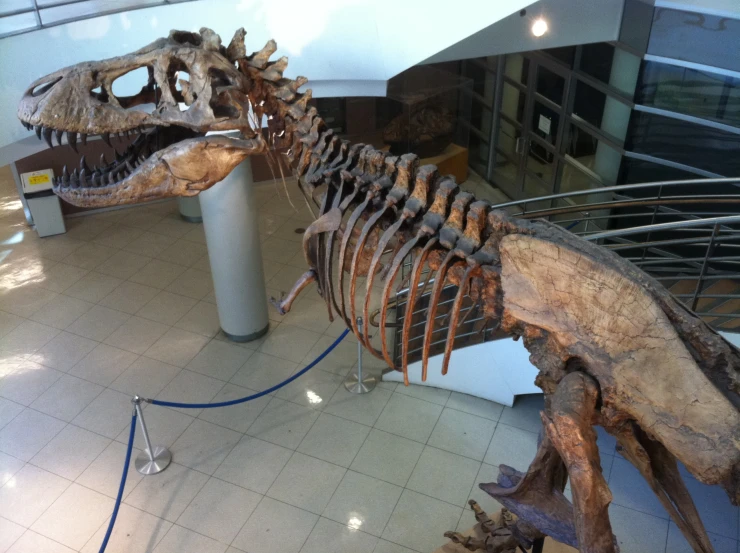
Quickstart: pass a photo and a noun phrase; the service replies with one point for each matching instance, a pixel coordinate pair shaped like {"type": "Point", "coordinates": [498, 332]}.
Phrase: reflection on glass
{"type": "Point", "coordinates": [481, 117]}
{"type": "Point", "coordinates": [533, 188]}
{"type": "Point", "coordinates": [512, 102]}
{"type": "Point", "coordinates": [686, 143]}
{"type": "Point", "coordinates": [517, 68]}
{"type": "Point", "coordinates": [505, 171]}
{"type": "Point", "coordinates": [636, 170]}
{"type": "Point", "coordinates": [478, 153]}
{"type": "Point", "coordinates": [593, 154]}
{"type": "Point", "coordinates": [550, 85]}
{"type": "Point", "coordinates": [508, 135]}
{"type": "Point", "coordinates": [540, 162]}
{"type": "Point", "coordinates": [596, 60]}
{"type": "Point", "coordinates": [589, 103]}
{"type": "Point", "coordinates": [484, 81]}
{"type": "Point", "coordinates": [698, 93]}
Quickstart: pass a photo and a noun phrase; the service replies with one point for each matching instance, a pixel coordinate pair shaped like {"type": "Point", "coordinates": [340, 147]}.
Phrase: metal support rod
{"type": "Point", "coordinates": [152, 460]}
{"type": "Point", "coordinates": [357, 382]}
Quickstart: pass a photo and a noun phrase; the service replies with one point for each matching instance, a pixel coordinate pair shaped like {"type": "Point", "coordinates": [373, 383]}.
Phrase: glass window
{"type": "Point", "coordinates": [513, 102]}
{"type": "Point", "coordinates": [481, 117]}
{"type": "Point", "coordinates": [596, 60]}
{"type": "Point", "coordinates": [484, 81]}
{"type": "Point", "coordinates": [533, 188]}
{"type": "Point", "coordinates": [17, 23]}
{"type": "Point", "coordinates": [517, 68]}
{"type": "Point", "coordinates": [698, 93]}
{"type": "Point", "coordinates": [508, 136]}
{"type": "Point", "coordinates": [589, 103]}
{"type": "Point", "coordinates": [593, 153]}
{"type": "Point", "coordinates": [635, 171]}
{"type": "Point", "coordinates": [540, 162]}
{"type": "Point", "coordinates": [566, 54]}
{"type": "Point", "coordinates": [686, 143]}
{"type": "Point", "coordinates": [550, 85]}
{"type": "Point", "coordinates": [478, 153]}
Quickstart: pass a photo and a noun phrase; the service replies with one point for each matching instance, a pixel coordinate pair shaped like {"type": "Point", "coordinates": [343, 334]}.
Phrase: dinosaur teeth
{"type": "Point", "coordinates": [38, 129]}
{"type": "Point", "coordinates": [129, 166]}
{"type": "Point", "coordinates": [111, 179]}
{"type": "Point", "coordinates": [47, 136]}
{"type": "Point", "coordinates": [83, 165]}
{"type": "Point", "coordinates": [83, 177]}
{"type": "Point", "coordinates": [59, 134]}
{"type": "Point", "coordinates": [72, 140]}
{"type": "Point", "coordinates": [106, 138]}
{"type": "Point", "coordinates": [65, 174]}
{"type": "Point", "coordinates": [103, 161]}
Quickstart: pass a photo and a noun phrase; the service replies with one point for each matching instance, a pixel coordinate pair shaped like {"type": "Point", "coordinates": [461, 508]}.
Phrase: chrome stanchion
{"type": "Point", "coordinates": [151, 460]}
{"type": "Point", "coordinates": [356, 382]}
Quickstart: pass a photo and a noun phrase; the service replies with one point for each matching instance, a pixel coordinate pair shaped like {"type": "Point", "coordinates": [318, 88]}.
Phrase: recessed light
{"type": "Point", "coordinates": [539, 27]}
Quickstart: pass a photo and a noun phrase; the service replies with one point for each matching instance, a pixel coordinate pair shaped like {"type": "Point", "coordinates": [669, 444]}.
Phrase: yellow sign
{"type": "Point", "coordinates": [38, 179]}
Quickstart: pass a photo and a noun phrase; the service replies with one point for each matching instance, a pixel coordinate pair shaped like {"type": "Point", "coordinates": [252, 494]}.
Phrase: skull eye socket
{"type": "Point", "coordinates": [44, 87]}
{"type": "Point", "coordinates": [134, 88]}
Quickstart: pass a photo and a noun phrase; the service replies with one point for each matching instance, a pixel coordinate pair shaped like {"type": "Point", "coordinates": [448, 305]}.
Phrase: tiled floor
{"type": "Point", "coordinates": [122, 304]}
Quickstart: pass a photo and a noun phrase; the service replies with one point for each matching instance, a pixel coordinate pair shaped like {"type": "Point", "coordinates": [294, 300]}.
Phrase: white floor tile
{"type": "Point", "coordinates": [64, 351]}
{"type": "Point", "coordinates": [8, 411]}
{"type": "Point", "coordinates": [419, 522]}
{"type": "Point", "coordinates": [29, 493]}
{"type": "Point", "coordinates": [67, 397]}
{"type": "Point", "coordinates": [387, 457]}
{"type": "Point", "coordinates": [364, 408]}
{"type": "Point", "coordinates": [134, 532]}
{"type": "Point", "coordinates": [331, 537]}
{"type": "Point", "coordinates": [312, 494]}
{"type": "Point", "coordinates": [409, 417]}
{"type": "Point", "coordinates": [164, 426]}
{"type": "Point", "coordinates": [444, 475]}
{"type": "Point", "coordinates": [167, 308]}
{"type": "Point", "coordinates": [427, 393]}
{"type": "Point", "coordinates": [342, 358]}
{"type": "Point", "coordinates": [177, 347]}
{"type": "Point", "coordinates": [183, 252]}
{"type": "Point", "coordinates": [275, 526]}
{"type": "Point", "coordinates": [678, 544]}
{"type": "Point", "coordinates": [103, 364]}
{"type": "Point", "coordinates": [172, 226]}
{"type": "Point", "coordinates": [486, 474]}
{"type": "Point", "coordinates": [363, 503]}
{"type": "Point", "coordinates": [301, 341]}
{"type": "Point", "coordinates": [104, 474]}
{"type": "Point", "coordinates": [219, 360]}
{"type": "Point", "coordinates": [637, 532]}
{"type": "Point", "coordinates": [107, 415]}
{"type": "Point", "coordinates": [475, 406]}
{"type": "Point", "coordinates": [8, 322]}
{"type": "Point", "coordinates": [511, 446]}
{"type": "Point", "coordinates": [204, 446]}
{"type": "Point", "coordinates": [9, 533]}
{"type": "Point", "coordinates": [24, 301]}
{"type": "Point", "coordinates": [182, 540]}
{"type": "Point", "coordinates": [630, 490]}
{"type": "Point", "coordinates": [192, 283]}
{"type": "Point", "coordinates": [167, 494]}
{"type": "Point", "coordinates": [158, 273]}
{"type": "Point", "coordinates": [31, 542]}
{"type": "Point", "coordinates": [201, 319]}
{"type": "Point", "coordinates": [28, 337]}
{"type": "Point", "coordinates": [388, 547]}
{"type": "Point", "coordinates": [219, 510]}
{"type": "Point", "coordinates": [61, 276]}
{"type": "Point", "coordinates": [718, 514]}
{"type": "Point", "coordinates": [26, 434]}
{"type": "Point", "coordinates": [262, 371]}
{"type": "Point", "coordinates": [149, 244]}
{"type": "Point", "coordinates": [283, 423]}
{"type": "Point", "coordinates": [74, 517]}
{"type": "Point", "coordinates": [314, 389]}
{"type": "Point", "coordinates": [89, 256]}
{"type": "Point", "coordinates": [137, 334]}
{"type": "Point", "coordinates": [122, 264]}
{"type": "Point", "coordinates": [118, 236]}
{"type": "Point", "coordinates": [145, 377]}
{"type": "Point", "coordinates": [525, 414]}
{"type": "Point", "coordinates": [9, 466]}
{"type": "Point", "coordinates": [308, 314]}
{"type": "Point", "coordinates": [98, 323]}
{"type": "Point", "coordinates": [462, 433]}
{"type": "Point", "coordinates": [334, 439]}
{"type": "Point", "coordinates": [70, 452]}
{"type": "Point", "coordinates": [190, 387]}
{"type": "Point", "coordinates": [61, 311]}
{"type": "Point", "coordinates": [27, 382]}
{"type": "Point", "coordinates": [129, 297]}
{"type": "Point", "coordinates": [93, 287]}
{"type": "Point", "coordinates": [236, 417]}
{"type": "Point", "coordinates": [253, 464]}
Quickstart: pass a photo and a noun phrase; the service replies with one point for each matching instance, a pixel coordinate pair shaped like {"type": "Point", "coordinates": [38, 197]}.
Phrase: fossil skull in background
{"type": "Point", "coordinates": [171, 156]}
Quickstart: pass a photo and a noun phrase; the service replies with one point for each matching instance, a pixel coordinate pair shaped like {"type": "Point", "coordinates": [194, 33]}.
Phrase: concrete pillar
{"type": "Point", "coordinates": [232, 236]}
{"type": "Point", "coordinates": [190, 209]}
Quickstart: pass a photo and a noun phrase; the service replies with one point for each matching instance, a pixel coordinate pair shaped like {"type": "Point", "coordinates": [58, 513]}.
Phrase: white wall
{"type": "Point", "coordinates": [346, 47]}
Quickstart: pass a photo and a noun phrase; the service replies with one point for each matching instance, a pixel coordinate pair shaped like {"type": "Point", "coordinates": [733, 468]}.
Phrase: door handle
{"type": "Point", "coordinates": [519, 147]}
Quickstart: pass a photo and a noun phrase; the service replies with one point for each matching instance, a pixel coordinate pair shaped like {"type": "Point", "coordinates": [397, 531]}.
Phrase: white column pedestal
{"type": "Point", "coordinates": [232, 236]}
{"type": "Point", "coordinates": [190, 209]}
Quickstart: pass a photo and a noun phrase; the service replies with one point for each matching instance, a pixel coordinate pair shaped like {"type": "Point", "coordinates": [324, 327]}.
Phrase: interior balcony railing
{"type": "Point", "coordinates": [685, 234]}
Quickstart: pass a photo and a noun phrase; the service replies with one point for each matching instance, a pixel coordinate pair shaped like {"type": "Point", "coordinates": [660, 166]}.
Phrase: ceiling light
{"type": "Point", "coordinates": [539, 27]}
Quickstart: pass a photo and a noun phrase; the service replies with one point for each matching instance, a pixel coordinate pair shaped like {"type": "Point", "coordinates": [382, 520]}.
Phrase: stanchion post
{"type": "Point", "coordinates": [357, 382]}
{"type": "Point", "coordinates": [152, 460]}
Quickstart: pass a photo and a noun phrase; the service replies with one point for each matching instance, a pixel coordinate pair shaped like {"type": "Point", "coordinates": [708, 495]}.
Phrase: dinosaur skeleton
{"type": "Point", "coordinates": [612, 346]}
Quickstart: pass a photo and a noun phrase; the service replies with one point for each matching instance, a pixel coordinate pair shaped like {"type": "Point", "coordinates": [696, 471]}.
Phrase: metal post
{"type": "Point", "coordinates": [151, 460]}
{"type": "Point", "coordinates": [538, 545]}
{"type": "Point", "coordinates": [357, 383]}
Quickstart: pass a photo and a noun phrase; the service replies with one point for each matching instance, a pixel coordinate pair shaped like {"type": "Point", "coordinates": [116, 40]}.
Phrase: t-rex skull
{"type": "Point", "coordinates": [171, 156]}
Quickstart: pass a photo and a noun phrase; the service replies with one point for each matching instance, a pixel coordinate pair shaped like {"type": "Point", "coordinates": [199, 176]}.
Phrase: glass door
{"type": "Point", "coordinates": [531, 114]}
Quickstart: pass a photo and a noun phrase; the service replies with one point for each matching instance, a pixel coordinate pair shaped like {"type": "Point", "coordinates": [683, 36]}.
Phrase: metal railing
{"type": "Point", "coordinates": [685, 234]}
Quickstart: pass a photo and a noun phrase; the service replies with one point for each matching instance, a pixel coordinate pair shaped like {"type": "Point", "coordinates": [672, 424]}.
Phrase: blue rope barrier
{"type": "Point", "coordinates": [119, 497]}
{"type": "Point", "coordinates": [253, 396]}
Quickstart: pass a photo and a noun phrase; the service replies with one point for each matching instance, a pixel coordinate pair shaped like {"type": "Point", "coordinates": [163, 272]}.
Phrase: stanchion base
{"type": "Point", "coordinates": [354, 386]}
{"type": "Point", "coordinates": [162, 459]}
